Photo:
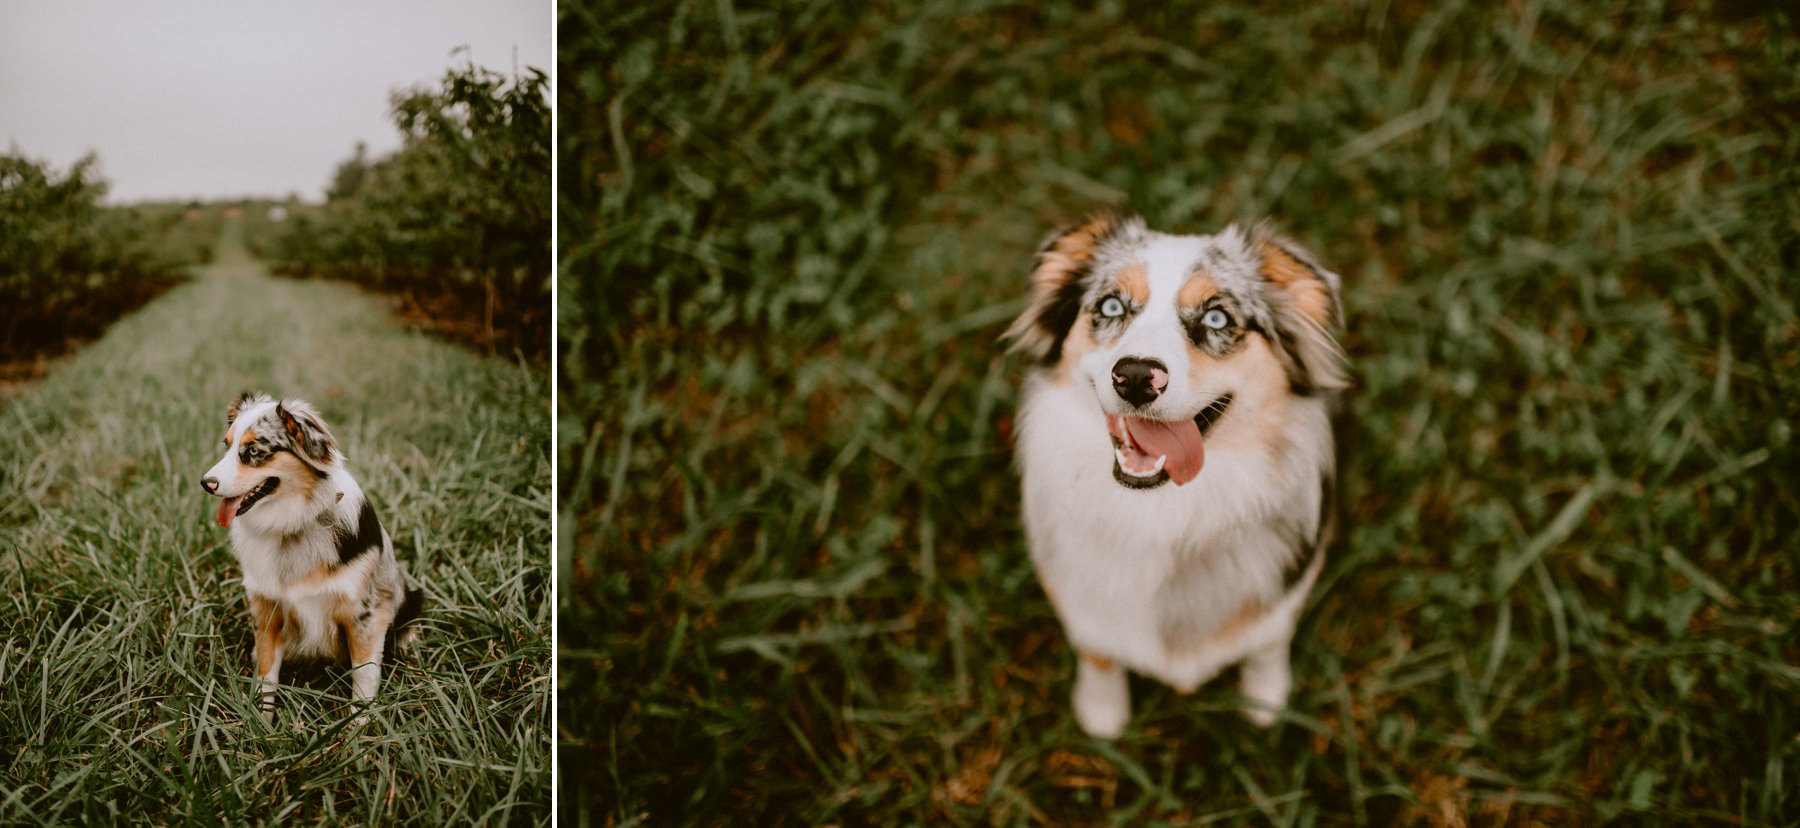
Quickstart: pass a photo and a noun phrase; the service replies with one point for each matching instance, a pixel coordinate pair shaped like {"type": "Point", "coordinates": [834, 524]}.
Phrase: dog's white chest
{"type": "Point", "coordinates": [1141, 584]}
{"type": "Point", "coordinates": [1149, 578]}
{"type": "Point", "coordinates": [311, 596]}
{"type": "Point", "coordinates": [312, 629]}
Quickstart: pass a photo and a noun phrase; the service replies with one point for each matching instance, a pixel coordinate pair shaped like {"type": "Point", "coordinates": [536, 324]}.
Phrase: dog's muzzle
{"type": "Point", "coordinates": [1148, 453]}
{"type": "Point", "coordinates": [232, 507]}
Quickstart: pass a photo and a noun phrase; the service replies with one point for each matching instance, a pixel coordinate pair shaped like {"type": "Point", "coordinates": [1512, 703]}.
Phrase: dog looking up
{"type": "Point", "coordinates": [1176, 451]}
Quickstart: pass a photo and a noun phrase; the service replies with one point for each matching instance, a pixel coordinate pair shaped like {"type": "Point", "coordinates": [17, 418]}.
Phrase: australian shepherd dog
{"type": "Point", "coordinates": [318, 569]}
{"type": "Point", "coordinates": [1175, 442]}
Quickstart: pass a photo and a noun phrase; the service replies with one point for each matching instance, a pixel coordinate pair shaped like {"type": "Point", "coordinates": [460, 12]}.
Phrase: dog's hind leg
{"type": "Point", "coordinates": [1102, 696]}
{"type": "Point", "coordinates": [403, 635]}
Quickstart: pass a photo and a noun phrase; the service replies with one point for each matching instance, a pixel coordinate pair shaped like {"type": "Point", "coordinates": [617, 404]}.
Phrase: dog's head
{"type": "Point", "coordinates": [1177, 333]}
{"type": "Point", "coordinates": [276, 454]}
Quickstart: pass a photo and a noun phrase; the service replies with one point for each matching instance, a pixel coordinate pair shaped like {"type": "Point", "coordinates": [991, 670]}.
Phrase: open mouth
{"type": "Point", "coordinates": [231, 507]}
{"type": "Point", "coordinates": [1148, 453]}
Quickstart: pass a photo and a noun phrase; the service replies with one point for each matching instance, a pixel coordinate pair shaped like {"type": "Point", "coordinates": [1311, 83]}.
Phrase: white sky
{"type": "Point", "coordinates": [211, 99]}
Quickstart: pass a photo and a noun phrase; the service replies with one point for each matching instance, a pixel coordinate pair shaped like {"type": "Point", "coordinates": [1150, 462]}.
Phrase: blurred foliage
{"type": "Point", "coordinates": [69, 265]}
{"type": "Point", "coordinates": [266, 222]}
{"type": "Point", "coordinates": [185, 233]}
{"type": "Point", "coordinates": [456, 222]}
{"type": "Point", "coordinates": [794, 583]}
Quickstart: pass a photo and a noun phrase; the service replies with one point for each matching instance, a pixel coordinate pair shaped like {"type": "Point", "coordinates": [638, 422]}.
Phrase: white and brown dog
{"type": "Point", "coordinates": [318, 569]}
{"type": "Point", "coordinates": [1175, 441]}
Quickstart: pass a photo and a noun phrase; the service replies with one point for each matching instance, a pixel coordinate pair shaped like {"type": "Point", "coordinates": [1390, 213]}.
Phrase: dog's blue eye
{"type": "Point", "coordinates": [1216, 319]}
{"type": "Point", "coordinates": [1112, 308]}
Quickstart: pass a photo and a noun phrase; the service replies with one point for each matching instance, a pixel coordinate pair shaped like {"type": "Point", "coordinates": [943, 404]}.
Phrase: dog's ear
{"type": "Point", "coordinates": [306, 431]}
{"type": "Point", "coordinates": [1064, 263]}
{"type": "Point", "coordinates": [1303, 296]}
{"type": "Point", "coordinates": [243, 401]}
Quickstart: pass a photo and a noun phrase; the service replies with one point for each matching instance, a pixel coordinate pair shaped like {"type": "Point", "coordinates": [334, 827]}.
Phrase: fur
{"type": "Point", "coordinates": [1169, 573]}
{"type": "Point", "coordinates": [319, 571]}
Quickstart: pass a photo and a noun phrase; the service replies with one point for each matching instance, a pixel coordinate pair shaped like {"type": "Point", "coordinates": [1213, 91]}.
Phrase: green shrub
{"type": "Point", "coordinates": [457, 219]}
{"type": "Point", "coordinates": [69, 266]}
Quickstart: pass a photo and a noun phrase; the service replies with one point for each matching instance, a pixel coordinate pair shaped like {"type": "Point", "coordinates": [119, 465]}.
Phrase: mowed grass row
{"type": "Point", "coordinates": [794, 584]}
{"type": "Point", "coordinates": [126, 676]}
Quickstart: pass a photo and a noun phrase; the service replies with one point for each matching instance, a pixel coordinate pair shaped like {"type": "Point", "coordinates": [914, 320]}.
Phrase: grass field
{"type": "Point", "coordinates": [126, 692]}
{"type": "Point", "coordinates": [793, 583]}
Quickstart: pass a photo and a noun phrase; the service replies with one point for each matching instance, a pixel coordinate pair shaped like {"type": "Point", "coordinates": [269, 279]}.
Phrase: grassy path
{"type": "Point", "coordinates": [124, 650]}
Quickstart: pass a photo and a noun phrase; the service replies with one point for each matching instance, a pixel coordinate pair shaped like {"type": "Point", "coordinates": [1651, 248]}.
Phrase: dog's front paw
{"type": "Point", "coordinates": [1102, 698]}
{"type": "Point", "coordinates": [1265, 685]}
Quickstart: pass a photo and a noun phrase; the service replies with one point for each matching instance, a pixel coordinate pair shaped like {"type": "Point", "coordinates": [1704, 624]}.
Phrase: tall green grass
{"type": "Point", "coordinates": [793, 583]}
{"type": "Point", "coordinates": [126, 686]}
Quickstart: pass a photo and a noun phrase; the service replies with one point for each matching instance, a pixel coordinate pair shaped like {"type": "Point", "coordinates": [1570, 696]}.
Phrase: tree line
{"type": "Point", "coordinates": [456, 222]}
{"type": "Point", "coordinates": [70, 265]}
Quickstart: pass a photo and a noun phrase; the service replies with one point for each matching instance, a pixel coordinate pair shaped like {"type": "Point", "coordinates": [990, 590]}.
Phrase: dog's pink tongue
{"type": "Point", "coordinates": [1179, 440]}
{"type": "Point", "coordinates": [228, 510]}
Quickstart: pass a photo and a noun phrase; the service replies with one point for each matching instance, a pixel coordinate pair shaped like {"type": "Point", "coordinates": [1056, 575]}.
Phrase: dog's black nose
{"type": "Point", "coordinates": [1139, 381]}
{"type": "Point", "coordinates": [210, 484]}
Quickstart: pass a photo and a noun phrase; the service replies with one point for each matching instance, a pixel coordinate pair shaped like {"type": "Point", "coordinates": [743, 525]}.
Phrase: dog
{"type": "Point", "coordinates": [1175, 446]}
{"type": "Point", "coordinates": [319, 570]}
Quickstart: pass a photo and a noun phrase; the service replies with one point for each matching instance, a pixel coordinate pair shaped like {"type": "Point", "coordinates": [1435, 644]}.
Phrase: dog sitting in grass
{"type": "Point", "coordinates": [1176, 447]}
{"type": "Point", "coordinates": [318, 569]}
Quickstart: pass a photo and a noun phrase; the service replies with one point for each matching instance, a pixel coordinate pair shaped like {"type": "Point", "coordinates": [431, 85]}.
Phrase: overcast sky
{"type": "Point", "coordinates": [211, 99]}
